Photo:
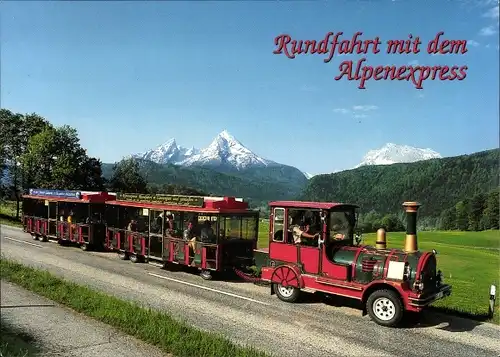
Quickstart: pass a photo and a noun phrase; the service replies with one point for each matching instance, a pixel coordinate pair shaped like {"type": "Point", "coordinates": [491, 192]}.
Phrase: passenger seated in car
{"type": "Point", "coordinates": [207, 234]}
{"type": "Point", "coordinates": [132, 226]}
{"type": "Point", "coordinates": [299, 228]}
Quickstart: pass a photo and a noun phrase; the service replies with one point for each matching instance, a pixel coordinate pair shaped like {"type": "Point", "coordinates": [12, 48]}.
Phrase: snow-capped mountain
{"type": "Point", "coordinates": [393, 153]}
{"type": "Point", "coordinates": [168, 152]}
{"type": "Point", "coordinates": [224, 150]}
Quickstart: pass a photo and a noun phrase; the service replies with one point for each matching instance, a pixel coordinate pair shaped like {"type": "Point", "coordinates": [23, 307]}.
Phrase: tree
{"type": "Point", "coordinates": [448, 219]}
{"type": "Point", "coordinates": [54, 159]}
{"type": "Point", "coordinates": [491, 214]}
{"type": "Point", "coordinates": [391, 223]}
{"type": "Point", "coordinates": [370, 222]}
{"type": "Point", "coordinates": [462, 215]}
{"type": "Point", "coordinates": [16, 130]}
{"type": "Point", "coordinates": [127, 177]}
{"type": "Point", "coordinates": [476, 208]}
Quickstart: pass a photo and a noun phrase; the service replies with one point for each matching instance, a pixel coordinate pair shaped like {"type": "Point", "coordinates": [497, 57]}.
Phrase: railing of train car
{"type": "Point", "coordinates": [173, 249]}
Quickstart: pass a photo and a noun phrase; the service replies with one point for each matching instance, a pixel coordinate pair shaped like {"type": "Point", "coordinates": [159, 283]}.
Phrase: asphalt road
{"type": "Point", "coordinates": [248, 314]}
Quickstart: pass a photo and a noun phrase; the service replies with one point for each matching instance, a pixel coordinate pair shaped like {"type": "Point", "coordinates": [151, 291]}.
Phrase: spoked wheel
{"type": "Point", "coordinates": [385, 308]}
{"type": "Point", "coordinates": [122, 255]}
{"type": "Point", "coordinates": [85, 247]}
{"type": "Point", "coordinates": [134, 258]}
{"type": "Point", "coordinates": [288, 287]}
{"type": "Point", "coordinates": [206, 275]}
{"type": "Point", "coordinates": [42, 238]}
{"type": "Point", "coordinates": [34, 236]}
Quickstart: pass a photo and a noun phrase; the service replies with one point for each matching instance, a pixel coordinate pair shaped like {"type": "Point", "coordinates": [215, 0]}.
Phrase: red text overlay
{"type": "Point", "coordinates": [360, 70]}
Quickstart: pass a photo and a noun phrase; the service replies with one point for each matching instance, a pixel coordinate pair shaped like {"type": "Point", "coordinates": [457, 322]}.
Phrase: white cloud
{"type": "Point", "coordinates": [488, 31]}
{"type": "Point", "coordinates": [420, 95]}
{"type": "Point", "coordinates": [357, 111]}
{"type": "Point", "coordinates": [493, 12]}
{"type": "Point", "coordinates": [473, 43]}
{"type": "Point", "coordinates": [364, 108]}
{"type": "Point", "coordinates": [306, 88]}
{"type": "Point", "coordinates": [413, 63]}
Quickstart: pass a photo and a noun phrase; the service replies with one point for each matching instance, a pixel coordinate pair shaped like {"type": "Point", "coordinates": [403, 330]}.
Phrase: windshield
{"type": "Point", "coordinates": [341, 225]}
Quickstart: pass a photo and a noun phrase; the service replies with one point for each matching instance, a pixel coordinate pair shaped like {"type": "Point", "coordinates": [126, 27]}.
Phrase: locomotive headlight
{"type": "Point", "coordinates": [418, 285]}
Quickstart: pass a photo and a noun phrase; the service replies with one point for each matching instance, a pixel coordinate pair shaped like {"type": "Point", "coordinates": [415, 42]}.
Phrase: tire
{"type": "Point", "coordinates": [85, 247]}
{"type": "Point", "coordinates": [206, 275]}
{"type": "Point", "coordinates": [122, 255]}
{"type": "Point", "coordinates": [287, 294]}
{"type": "Point", "coordinates": [385, 308]}
{"type": "Point", "coordinates": [42, 238]}
{"type": "Point", "coordinates": [34, 237]}
{"type": "Point", "coordinates": [134, 258]}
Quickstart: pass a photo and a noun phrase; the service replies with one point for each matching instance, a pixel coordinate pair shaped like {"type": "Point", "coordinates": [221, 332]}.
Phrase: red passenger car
{"type": "Point", "coordinates": [212, 234]}
{"type": "Point", "coordinates": [66, 216]}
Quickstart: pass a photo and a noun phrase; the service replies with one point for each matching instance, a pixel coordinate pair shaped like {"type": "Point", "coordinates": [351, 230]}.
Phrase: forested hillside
{"type": "Point", "coordinates": [438, 183]}
{"type": "Point", "coordinates": [248, 184]}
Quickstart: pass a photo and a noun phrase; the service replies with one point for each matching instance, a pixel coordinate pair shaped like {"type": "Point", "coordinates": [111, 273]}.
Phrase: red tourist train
{"type": "Point", "coordinates": [312, 246]}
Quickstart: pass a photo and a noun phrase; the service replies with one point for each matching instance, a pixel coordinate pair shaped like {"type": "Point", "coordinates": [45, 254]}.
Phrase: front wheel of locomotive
{"type": "Point", "coordinates": [286, 293]}
{"type": "Point", "coordinates": [385, 308]}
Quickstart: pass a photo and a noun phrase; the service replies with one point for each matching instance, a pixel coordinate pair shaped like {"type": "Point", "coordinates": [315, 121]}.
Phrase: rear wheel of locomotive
{"type": "Point", "coordinates": [385, 308]}
{"type": "Point", "coordinates": [286, 293]}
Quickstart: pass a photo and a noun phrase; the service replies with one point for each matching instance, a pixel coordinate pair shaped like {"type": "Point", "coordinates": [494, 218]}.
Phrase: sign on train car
{"type": "Point", "coordinates": [173, 200]}
{"type": "Point", "coordinates": [55, 193]}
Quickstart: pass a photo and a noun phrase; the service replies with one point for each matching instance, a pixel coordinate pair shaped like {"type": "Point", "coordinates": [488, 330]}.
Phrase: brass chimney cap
{"type": "Point", "coordinates": [411, 204]}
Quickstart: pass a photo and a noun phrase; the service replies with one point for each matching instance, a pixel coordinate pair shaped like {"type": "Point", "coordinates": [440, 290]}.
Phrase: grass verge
{"type": "Point", "coordinates": [148, 325]}
{"type": "Point", "coordinates": [8, 214]}
{"type": "Point", "coordinates": [14, 342]}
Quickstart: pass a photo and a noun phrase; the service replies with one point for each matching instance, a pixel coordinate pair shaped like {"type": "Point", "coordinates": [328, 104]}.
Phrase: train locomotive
{"type": "Point", "coordinates": [312, 246]}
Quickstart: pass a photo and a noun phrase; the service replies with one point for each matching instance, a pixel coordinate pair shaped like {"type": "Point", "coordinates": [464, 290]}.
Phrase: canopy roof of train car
{"type": "Point", "coordinates": [311, 205]}
{"type": "Point", "coordinates": [69, 195]}
{"type": "Point", "coordinates": [183, 203]}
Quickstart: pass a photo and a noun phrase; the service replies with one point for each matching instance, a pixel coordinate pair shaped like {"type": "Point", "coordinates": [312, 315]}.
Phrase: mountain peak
{"type": "Point", "coordinates": [224, 150]}
{"type": "Point", "coordinates": [392, 153]}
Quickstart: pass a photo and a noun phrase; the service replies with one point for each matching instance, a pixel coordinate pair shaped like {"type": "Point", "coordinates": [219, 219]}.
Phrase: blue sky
{"type": "Point", "coordinates": [131, 75]}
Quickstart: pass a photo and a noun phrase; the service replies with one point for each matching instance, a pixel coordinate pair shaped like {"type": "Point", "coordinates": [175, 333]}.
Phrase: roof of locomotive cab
{"type": "Point", "coordinates": [306, 204]}
{"type": "Point", "coordinates": [70, 196]}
